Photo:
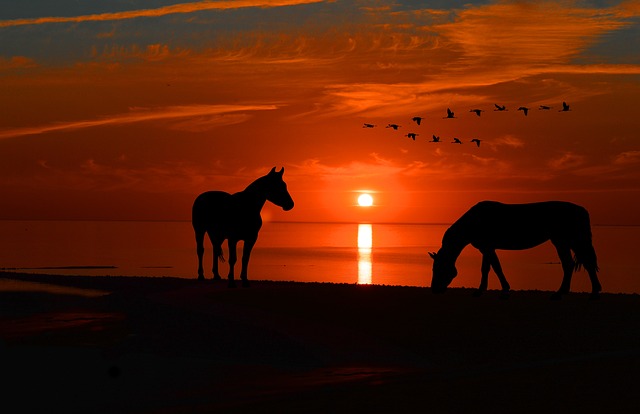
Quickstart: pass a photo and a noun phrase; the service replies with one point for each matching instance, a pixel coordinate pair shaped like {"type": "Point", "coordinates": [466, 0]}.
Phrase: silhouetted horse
{"type": "Point", "coordinates": [490, 225]}
{"type": "Point", "coordinates": [236, 217]}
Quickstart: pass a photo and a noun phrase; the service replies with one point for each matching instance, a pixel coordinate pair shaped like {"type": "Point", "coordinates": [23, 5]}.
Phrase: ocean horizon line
{"type": "Point", "coordinates": [398, 223]}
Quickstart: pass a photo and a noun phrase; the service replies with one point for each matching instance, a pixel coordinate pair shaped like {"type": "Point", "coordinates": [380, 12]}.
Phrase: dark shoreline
{"type": "Point", "coordinates": [172, 345]}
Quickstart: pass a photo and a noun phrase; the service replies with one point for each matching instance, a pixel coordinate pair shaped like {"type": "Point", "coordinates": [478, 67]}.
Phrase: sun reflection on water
{"type": "Point", "coordinates": [365, 243]}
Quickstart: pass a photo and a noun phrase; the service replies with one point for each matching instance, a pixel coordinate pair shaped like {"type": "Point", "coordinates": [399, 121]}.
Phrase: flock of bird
{"type": "Point", "coordinates": [478, 112]}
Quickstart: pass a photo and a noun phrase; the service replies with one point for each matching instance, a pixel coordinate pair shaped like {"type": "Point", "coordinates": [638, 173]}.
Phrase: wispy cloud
{"type": "Point", "coordinates": [144, 115]}
{"type": "Point", "coordinates": [157, 12]}
{"type": "Point", "coordinates": [485, 46]}
{"type": "Point", "coordinates": [627, 158]}
{"type": "Point", "coordinates": [568, 160]}
{"type": "Point", "coordinates": [17, 62]}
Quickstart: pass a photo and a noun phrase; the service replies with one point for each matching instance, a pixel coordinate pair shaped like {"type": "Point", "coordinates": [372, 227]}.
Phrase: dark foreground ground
{"type": "Point", "coordinates": [166, 345]}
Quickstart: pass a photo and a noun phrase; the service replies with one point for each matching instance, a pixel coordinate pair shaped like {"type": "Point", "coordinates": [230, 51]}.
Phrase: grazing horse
{"type": "Point", "coordinates": [236, 217]}
{"type": "Point", "coordinates": [490, 225]}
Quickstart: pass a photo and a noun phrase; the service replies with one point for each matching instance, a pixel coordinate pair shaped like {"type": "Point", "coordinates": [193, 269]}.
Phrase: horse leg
{"type": "Point", "coordinates": [564, 253]}
{"type": "Point", "coordinates": [246, 254]}
{"type": "Point", "coordinates": [484, 270]}
{"type": "Point", "coordinates": [233, 258]}
{"type": "Point", "coordinates": [587, 256]}
{"type": "Point", "coordinates": [217, 255]}
{"type": "Point", "coordinates": [497, 267]}
{"type": "Point", "coordinates": [200, 252]}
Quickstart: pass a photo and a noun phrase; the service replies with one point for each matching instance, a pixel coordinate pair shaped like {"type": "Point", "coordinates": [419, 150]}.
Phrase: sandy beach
{"type": "Point", "coordinates": [170, 345]}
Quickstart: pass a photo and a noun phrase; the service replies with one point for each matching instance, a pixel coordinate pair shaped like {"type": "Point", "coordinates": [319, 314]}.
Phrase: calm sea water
{"type": "Point", "coordinates": [390, 254]}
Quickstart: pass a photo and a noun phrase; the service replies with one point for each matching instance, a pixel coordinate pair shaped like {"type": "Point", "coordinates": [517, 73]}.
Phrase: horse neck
{"type": "Point", "coordinates": [255, 194]}
{"type": "Point", "coordinates": [453, 243]}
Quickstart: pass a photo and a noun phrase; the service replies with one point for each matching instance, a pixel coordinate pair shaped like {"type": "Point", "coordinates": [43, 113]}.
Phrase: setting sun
{"type": "Point", "coordinates": [365, 200]}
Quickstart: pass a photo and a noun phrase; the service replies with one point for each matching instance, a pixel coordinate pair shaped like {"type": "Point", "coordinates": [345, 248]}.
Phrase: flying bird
{"type": "Point", "coordinates": [417, 119]}
{"type": "Point", "coordinates": [477, 141]}
{"type": "Point", "coordinates": [500, 108]}
{"type": "Point", "coordinates": [368, 126]}
{"type": "Point", "coordinates": [524, 109]}
{"type": "Point", "coordinates": [449, 114]}
{"type": "Point", "coordinates": [435, 139]}
{"type": "Point", "coordinates": [456, 141]}
{"type": "Point", "coordinates": [394, 126]}
{"type": "Point", "coordinates": [544, 108]}
{"type": "Point", "coordinates": [565, 107]}
{"type": "Point", "coordinates": [412, 135]}
{"type": "Point", "coordinates": [477, 111]}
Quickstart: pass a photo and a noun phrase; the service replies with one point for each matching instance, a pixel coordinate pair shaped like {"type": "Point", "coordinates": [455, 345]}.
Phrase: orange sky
{"type": "Point", "coordinates": [129, 110]}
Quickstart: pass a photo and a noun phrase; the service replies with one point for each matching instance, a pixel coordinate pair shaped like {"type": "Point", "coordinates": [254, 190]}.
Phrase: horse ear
{"type": "Point", "coordinates": [281, 172]}
{"type": "Point", "coordinates": [433, 255]}
{"type": "Point", "coordinates": [272, 170]}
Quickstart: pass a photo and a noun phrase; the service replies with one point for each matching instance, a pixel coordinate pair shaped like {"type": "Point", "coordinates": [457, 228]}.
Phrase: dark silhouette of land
{"type": "Point", "coordinates": [236, 217]}
{"type": "Point", "coordinates": [171, 345]}
{"type": "Point", "coordinates": [489, 226]}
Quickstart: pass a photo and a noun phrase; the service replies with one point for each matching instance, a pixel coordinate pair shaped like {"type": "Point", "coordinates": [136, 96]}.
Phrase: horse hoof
{"type": "Point", "coordinates": [200, 277]}
{"type": "Point", "coordinates": [217, 278]}
{"type": "Point", "coordinates": [232, 285]}
{"type": "Point", "coordinates": [594, 296]}
{"type": "Point", "coordinates": [245, 283]}
{"type": "Point", "coordinates": [556, 296]}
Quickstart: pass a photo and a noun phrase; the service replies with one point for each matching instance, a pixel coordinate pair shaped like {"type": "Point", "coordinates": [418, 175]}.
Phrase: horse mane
{"type": "Point", "coordinates": [256, 183]}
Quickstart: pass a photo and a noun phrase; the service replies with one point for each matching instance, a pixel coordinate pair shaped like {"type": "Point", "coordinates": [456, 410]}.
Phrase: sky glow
{"type": "Point", "coordinates": [128, 110]}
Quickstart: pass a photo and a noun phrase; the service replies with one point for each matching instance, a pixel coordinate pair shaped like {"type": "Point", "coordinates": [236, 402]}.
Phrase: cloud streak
{"type": "Point", "coordinates": [182, 8]}
{"type": "Point", "coordinates": [140, 115]}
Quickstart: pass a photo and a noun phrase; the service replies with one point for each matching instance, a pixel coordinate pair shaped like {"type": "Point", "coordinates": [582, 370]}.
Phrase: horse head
{"type": "Point", "coordinates": [277, 190]}
{"type": "Point", "coordinates": [444, 271]}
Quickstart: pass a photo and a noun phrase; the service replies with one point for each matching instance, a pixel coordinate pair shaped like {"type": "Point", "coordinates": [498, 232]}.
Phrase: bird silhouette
{"type": "Point", "coordinates": [368, 126]}
{"type": "Point", "coordinates": [435, 139]}
{"type": "Point", "coordinates": [565, 107]}
{"type": "Point", "coordinates": [394, 126]}
{"type": "Point", "coordinates": [449, 114]}
{"type": "Point", "coordinates": [477, 111]}
{"type": "Point", "coordinates": [477, 141]}
{"type": "Point", "coordinates": [524, 109]}
{"type": "Point", "coordinates": [500, 108]}
{"type": "Point", "coordinates": [456, 141]}
{"type": "Point", "coordinates": [412, 135]}
{"type": "Point", "coordinates": [544, 107]}
{"type": "Point", "coordinates": [417, 119]}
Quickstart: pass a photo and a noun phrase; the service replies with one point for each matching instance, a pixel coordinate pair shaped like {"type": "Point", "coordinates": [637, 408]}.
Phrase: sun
{"type": "Point", "coordinates": [365, 200]}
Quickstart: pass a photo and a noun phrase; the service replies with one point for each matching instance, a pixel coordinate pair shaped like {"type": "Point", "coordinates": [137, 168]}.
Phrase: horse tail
{"type": "Point", "coordinates": [585, 254]}
{"type": "Point", "coordinates": [591, 260]}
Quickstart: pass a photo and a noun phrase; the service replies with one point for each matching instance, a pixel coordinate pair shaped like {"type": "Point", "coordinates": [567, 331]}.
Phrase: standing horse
{"type": "Point", "coordinates": [236, 217]}
{"type": "Point", "coordinates": [490, 225]}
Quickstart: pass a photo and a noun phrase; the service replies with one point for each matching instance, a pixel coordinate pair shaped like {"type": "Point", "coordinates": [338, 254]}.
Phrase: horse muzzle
{"type": "Point", "coordinates": [288, 206]}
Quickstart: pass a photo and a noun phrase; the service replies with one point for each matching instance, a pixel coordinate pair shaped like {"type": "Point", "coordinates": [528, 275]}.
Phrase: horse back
{"type": "Point", "coordinates": [518, 226]}
{"type": "Point", "coordinates": [208, 203]}
{"type": "Point", "coordinates": [224, 215]}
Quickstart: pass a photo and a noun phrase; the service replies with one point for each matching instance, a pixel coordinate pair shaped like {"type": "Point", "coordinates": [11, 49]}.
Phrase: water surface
{"type": "Point", "coordinates": [391, 254]}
